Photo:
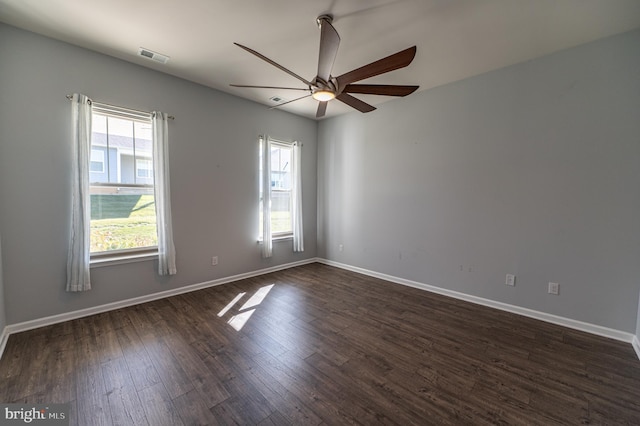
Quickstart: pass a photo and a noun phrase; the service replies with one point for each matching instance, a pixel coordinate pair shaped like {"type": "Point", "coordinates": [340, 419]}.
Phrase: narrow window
{"type": "Point", "coordinates": [281, 183]}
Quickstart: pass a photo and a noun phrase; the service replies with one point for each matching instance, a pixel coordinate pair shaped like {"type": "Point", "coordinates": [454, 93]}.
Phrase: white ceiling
{"type": "Point", "coordinates": [455, 38]}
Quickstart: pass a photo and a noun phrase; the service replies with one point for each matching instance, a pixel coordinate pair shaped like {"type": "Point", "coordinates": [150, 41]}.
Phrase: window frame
{"type": "Point", "coordinates": [149, 169]}
{"type": "Point", "coordinates": [134, 254]}
{"type": "Point", "coordinates": [285, 235]}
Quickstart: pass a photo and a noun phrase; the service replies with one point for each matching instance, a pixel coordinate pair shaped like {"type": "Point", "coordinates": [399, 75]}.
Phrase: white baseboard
{"type": "Point", "coordinates": [67, 316]}
{"type": "Point", "coordinates": [636, 345]}
{"type": "Point", "coordinates": [4, 336]}
{"type": "Point", "coordinates": [543, 316]}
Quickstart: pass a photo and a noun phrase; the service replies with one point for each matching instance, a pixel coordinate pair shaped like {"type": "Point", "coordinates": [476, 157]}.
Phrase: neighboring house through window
{"type": "Point", "coordinates": [123, 215]}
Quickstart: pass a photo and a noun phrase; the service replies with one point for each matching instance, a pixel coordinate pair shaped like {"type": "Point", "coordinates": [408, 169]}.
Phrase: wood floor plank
{"type": "Point", "coordinates": [93, 404]}
{"type": "Point", "coordinates": [245, 399]}
{"type": "Point", "coordinates": [11, 366]}
{"type": "Point", "coordinates": [276, 419]}
{"type": "Point", "coordinates": [323, 346]}
{"type": "Point", "coordinates": [206, 382]}
{"type": "Point", "coordinates": [193, 410]}
{"type": "Point", "coordinates": [124, 403]}
{"type": "Point", "coordinates": [168, 368]}
{"type": "Point", "coordinates": [346, 391]}
{"type": "Point", "coordinates": [158, 407]}
{"type": "Point", "coordinates": [141, 368]}
{"type": "Point", "coordinates": [287, 405]}
{"type": "Point", "coordinates": [227, 413]}
{"type": "Point", "coordinates": [59, 370]}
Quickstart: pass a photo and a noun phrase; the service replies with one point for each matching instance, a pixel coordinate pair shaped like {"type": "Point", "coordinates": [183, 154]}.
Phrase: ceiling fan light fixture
{"type": "Point", "coordinates": [326, 87]}
{"type": "Point", "coordinates": [323, 95]}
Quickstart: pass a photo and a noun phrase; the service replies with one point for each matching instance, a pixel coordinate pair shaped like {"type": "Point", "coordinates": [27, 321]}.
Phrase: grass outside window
{"type": "Point", "coordinates": [120, 222]}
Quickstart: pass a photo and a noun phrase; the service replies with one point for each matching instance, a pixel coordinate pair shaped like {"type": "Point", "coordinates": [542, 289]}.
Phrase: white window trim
{"type": "Point", "coordinates": [287, 235]}
{"type": "Point", "coordinates": [276, 239]}
{"type": "Point", "coordinates": [118, 257]}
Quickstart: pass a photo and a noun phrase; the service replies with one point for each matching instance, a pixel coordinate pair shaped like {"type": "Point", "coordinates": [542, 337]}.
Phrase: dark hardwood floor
{"type": "Point", "coordinates": [323, 346]}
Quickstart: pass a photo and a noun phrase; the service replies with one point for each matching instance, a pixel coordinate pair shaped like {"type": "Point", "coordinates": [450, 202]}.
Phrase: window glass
{"type": "Point", "coordinates": [281, 189]}
{"type": "Point", "coordinates": [123, 213]}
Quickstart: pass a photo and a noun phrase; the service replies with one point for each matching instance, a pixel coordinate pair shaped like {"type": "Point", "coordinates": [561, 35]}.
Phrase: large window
{"type": "Point", "coordinates": [281, 186]}
{"type": "Point", "coordinates": [123, 215]}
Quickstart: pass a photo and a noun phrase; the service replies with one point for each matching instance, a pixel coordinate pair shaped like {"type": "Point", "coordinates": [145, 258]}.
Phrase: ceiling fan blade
{"type": "Point", "coordinates": [380, 89]}
{"type": "Point", "coordinates": [322, 109]}
{"type": "Point", "coordinates": [275, 64]}
{"type": "Point", "coordinates": [329, 43]}
{"type": "Point", "coordinates": [355, 103]}
{"type": "Point", "coordinates": [288, 102]}
{"type": "Point", "coordinates": [390, 63]}
{"type": "Point", "coordinates": [268, 87]}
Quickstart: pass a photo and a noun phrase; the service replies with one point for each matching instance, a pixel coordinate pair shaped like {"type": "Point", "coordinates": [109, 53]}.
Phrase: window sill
{"type": "Point", "coordinates": [277, 239]}
{"type": "Point", "coordinates": [101, 261]}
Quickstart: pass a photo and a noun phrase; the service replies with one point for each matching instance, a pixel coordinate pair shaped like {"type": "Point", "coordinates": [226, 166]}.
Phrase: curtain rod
{"type": "Point", "coordinates": [170, 117]}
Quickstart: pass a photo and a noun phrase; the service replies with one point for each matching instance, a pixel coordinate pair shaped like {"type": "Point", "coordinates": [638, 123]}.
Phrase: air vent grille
{"type": "Point", "coordinates": [154, 56]}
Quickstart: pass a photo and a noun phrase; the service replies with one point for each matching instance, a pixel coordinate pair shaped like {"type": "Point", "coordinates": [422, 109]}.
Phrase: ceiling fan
{"type": "Point", "coordinates": [325, 87]}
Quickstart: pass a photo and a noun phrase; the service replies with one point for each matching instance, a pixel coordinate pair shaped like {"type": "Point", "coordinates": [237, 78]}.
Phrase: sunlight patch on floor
{"type": "Point", "coordinates": [240, 319]}
{"type": "Point", "coordinates": [257, 298]}
{"type": "Point", "coordinates": [230, 304]}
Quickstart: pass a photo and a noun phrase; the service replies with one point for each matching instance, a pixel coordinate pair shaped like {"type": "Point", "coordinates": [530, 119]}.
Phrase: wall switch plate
{"type": "Point", "coordinates": [214, 260]}
{"type": "Point", "coordinates": [554, 288]}
{"type": "Point", "coordinates": [510, 280]}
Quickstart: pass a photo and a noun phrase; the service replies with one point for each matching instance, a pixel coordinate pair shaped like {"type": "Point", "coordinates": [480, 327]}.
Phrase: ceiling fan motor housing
{"type": "Point", "coordinates": [326, 17]}
{"type": "Point", "coordinates": [319, 84]}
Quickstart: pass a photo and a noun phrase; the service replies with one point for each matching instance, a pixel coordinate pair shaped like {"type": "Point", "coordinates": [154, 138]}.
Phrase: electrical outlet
{"type": "Point", "coordinates": [214, 260]}
{"type": "Point", "coordinates": [510, 280]}
{"type": "Point", "coordinates": [341, 247]}
{"type": "Point", "coordinates": [554, 288]}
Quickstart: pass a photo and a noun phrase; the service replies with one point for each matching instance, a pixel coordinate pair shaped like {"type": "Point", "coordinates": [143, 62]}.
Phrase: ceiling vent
{"type": "Point", "coordinates": [154, 56]}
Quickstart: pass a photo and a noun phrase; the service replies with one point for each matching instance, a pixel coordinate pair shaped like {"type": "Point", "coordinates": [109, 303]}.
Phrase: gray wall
{"type": "Point", "coordinates": [532, 170]}
{"type": "Point", "coordinates": [214, 178]}
{"type": "Point", "coordinates": [3, 317]}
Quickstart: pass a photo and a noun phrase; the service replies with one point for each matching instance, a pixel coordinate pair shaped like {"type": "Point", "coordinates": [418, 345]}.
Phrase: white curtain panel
{"type": "Point", "coordinates": [298, 236]}
{"type": "Point", "coordinates": [267, 243]}
{"type": "Point", "coordinates": [162, 192]}
{"type": "Point", "coordinates": [79, 257]}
